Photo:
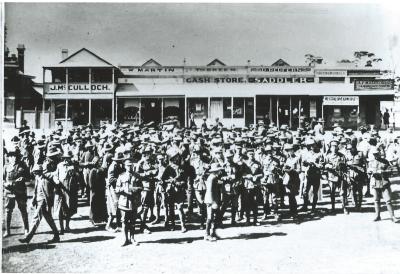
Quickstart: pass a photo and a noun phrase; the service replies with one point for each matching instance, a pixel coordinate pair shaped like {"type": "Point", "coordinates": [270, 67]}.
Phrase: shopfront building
{"type": "Point", "coordinates": [80, 90]}
{"type": "Point", "coordinates": [87, 89]}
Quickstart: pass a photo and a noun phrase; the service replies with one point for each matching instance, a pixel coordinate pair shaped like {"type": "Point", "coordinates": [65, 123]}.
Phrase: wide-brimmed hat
{"type": "Point", "coordinates": [67, 154]}
{"type": "Point", "coordinates": [310, 142]}
{"type": "Point", "coordinates": [119, 156]}
{"type": "Point", "coordinates": [37, 168]}
{"type": "Point", "coordinates": [288, 147]}
{"type": "Point", "coordinates": [107, 147]}
{"type": "Point", "coordinates": [88, 144]}
{"type": "Point", "coordinates": [53, 152]}
{"type": "Point", "coordinates": [128, 162]}
{"type": "Point", "coordinates": [13, 152]}
{"type": "Point", "coordinates": [215, 167]}
{"type": "Point", "coordinates": [15, 139]}
{"type": "Point", "coordinates": [374, 150]}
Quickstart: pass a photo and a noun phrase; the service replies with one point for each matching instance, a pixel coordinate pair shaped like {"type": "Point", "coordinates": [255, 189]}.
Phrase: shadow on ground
{"type": "Point", "coordinates": [188, 240]}
{"type": "Point", "coordinates": [24, 248]}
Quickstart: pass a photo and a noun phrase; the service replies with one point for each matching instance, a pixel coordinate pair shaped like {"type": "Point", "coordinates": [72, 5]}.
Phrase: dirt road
{"type": "Point", "coordinates": [319, 244]}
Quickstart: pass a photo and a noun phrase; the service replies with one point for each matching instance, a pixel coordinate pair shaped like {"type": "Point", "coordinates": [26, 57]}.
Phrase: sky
{"type": "Point", "coordinates": [132, 33]}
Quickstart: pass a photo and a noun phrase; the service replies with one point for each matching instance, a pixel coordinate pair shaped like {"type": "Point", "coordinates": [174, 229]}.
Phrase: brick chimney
{"type": "Point", "coordinates": [64, 54]}
{"type": "Point", "coordinates": [21, 56]}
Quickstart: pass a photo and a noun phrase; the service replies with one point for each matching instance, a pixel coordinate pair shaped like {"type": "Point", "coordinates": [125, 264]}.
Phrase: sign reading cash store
{"type": "Point", "coordinates": [257, 80]}
{"type": "Point", "coordinates": [55, 88]}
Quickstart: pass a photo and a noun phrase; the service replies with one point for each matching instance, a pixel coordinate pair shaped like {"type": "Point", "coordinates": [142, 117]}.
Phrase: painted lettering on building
{"type": "Point", "coordinates": [257, 80]}
{"type": "Point", "coordinates": [386, 84]}
{"type": "Point", "coordinates": [341, 100]}
{"type": "Point", "coordinates": [80, 87]}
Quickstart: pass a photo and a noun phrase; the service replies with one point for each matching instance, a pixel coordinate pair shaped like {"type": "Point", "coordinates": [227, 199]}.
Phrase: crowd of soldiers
{"type": "Point", "coordinates": [131, 174]}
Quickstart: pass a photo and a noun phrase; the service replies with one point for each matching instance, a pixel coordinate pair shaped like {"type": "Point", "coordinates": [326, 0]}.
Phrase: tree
{"type": "Point", "coordinates": [312, 60]}
{"type": "Point", "coordinates": [366, 58]}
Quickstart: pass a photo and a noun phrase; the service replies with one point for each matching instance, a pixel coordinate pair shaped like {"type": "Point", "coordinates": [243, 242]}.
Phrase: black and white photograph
{"type": "Point", "coordinates": [200, 137]}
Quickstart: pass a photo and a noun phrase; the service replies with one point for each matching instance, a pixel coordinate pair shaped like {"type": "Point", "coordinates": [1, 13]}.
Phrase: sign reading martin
{"type": "Point", "coordinates": [80, 88]}
{"type": "Point", "coordinates": [385, 84]}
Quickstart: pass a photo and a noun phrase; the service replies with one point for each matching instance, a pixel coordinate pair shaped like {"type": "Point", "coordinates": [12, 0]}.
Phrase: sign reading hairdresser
{"type": "Point", "coordinates": [341, 100]}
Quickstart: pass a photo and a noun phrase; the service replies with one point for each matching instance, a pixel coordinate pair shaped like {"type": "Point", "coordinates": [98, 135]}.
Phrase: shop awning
{"type": "Point", "coordinates": [243, 90]}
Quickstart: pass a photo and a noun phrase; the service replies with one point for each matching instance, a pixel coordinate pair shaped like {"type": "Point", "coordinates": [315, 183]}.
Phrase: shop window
{"type": "Point", "coordinates": [101, 111]}
{"type": "Point", "coordinates": [59, 107]}
{"type": "Point", "coordinates": [227, 102]}
{"type": "Point", "coordinates": [131, 110]}
{"type": "Point", "coordinates": [102, 75]}
{"type": "Point", "coordinates": [198, 107]}
{"type": "Point", "coordinates": [337, 112]}
{"type": "Point", "coordinates": [78, 75]}
{"type": "Point", "coordinates": [238, 107]}
{"type": "Point", "coordinates": [59, 75]}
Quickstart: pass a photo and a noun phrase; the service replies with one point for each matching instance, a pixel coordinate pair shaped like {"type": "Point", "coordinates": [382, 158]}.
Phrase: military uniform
{"type": "Point", "coordinates": [380, 184]}
{"type": "Point", "coordinates": [43, 200]}
{"type": "Point", "coordinates": [128, 189]}
{"type": "Point", "coordinates": [336, 164]}
{"type": "Point", "coordinates": [14, 176]}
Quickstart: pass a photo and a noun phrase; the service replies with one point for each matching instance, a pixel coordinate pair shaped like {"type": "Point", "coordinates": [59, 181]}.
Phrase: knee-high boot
{"type": "Point", "coordinates": [377, 206]}
{"type": "Point", "coordinates": [391, 212]}
{"type": "Point", "coordinates": [8, 224]}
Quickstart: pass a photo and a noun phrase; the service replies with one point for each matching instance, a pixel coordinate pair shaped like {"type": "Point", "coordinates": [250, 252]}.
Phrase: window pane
{"type": "Point", "coordinates": [227, 107]}
{"type": "Point", "coordinates": [238, 107]}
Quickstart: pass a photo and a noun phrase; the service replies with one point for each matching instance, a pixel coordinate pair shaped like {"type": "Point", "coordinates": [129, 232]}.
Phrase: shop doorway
{"type": "Point", "coordinates": [249, 111]}
{"type": "Point", "coordinates": [216, 109]}
{"type": "Point", "coordinates": [284, 110]}
{"type": "Point", "coordinates": [151, 110]}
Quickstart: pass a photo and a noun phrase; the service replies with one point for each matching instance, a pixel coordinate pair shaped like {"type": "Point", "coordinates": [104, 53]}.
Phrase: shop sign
{"type": "Point", "coordinates": [330, 73]}
{"type": "Point", "coordinates": [281, 70]}
{"type": "Point", "coordinates": [80, 87]}
{"type": "Point", "coordinates": [341, 101]}
{"type": "Point", "coordinates": [259, 80]}
{"type": "Point", "coordinates": [152, 70]}
{"type": "Point", "coordinates": [386, 84]}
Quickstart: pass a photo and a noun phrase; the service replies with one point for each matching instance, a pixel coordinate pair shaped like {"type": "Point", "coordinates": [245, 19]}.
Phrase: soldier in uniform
{"type": "Point", "coordinates": [200, 167]}
{"type": "Point", "coordinates": [291, 179]}
{"type": "Point", "coordinates": [66, 199]}
{"type": "Point", "coordinates": [270, 183]}
{"type": "Point", "coordinates": [336, 168]}
{"type": "Point", "coordinates": [230, 194]}
{"type": "Point", "coordinates": [43, 201]}
{"type": "Point", "coordinates": [147, 172]}
{"type": "Point", "coordinates": [128, 188]}
{"type": "Point", "coordinates": [175, 193]}
{"type": "Point", "coordinates": [313, 161]}
{"type": "Point", "coordinates": [14, 176]}
{"type": "Point", "coordinates": [114, 170]}
{"type": "Point", "coordinates": [212, 200]}
{"type": "Point", "coordinates": [356, 174]}
{"type": "Point", "coordinates": [252, 182]}
{"type": "Point", "coordinates": [377, 167]}
{"type": "Point", "coordinates": [159, 192]}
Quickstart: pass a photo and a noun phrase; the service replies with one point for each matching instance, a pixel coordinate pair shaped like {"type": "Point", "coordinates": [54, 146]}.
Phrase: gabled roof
{"type": "Point", "coordinates": [151, 63]}
{"type": "Point", "coordinates": [280, 62]}
{"type": "Point", "coordinates": [84, 58]}
{"type": "Point", "coordinates": [216, 62]}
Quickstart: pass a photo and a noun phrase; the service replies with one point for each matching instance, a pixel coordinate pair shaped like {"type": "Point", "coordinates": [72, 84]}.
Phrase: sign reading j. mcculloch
{"type": "Point", "coordinates": [341, 101]}
{"type": "Point", "coordinates": [80, 87]}
{"type": "Point", "coordinates": [260, 80]}
{"type": "Point", "coordinates": [373, 84]}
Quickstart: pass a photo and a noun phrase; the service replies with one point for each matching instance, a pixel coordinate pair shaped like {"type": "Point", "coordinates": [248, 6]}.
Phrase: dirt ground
{"type": "Point", "coordinates": [319, 244]}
